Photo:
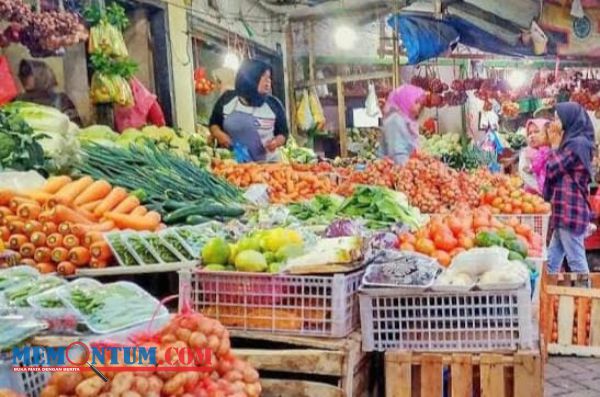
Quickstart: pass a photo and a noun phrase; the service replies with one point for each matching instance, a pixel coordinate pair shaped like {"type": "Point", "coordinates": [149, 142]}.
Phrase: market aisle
{"type": "Point", "coordinates": [572, 377]}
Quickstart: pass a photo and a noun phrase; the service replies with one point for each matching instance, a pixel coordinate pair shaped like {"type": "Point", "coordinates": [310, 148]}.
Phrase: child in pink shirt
{"type": "Point", "coordinates": [532, 164]}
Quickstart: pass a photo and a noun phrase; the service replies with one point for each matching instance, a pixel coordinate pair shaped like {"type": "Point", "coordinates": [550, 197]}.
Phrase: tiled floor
{"type": "Point", "coordinates": [572, 377]}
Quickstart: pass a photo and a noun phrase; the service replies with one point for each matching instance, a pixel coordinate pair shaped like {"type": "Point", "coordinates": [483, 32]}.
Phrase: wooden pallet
{"type": "Point", "coordinates": [293, 366]}
{"type": "Point", "coordinates": [468, 375]}
{"type": "Point", "coordinates": [570, 314]}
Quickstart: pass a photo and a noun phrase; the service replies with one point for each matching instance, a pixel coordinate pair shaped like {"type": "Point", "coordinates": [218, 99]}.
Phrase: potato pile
{"type": "Point", "coordinates": [229, 377]}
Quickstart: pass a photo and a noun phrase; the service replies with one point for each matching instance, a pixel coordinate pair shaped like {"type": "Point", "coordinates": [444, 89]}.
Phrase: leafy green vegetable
{"type": "Point", "coordinates": [20, 147]}
{"type": "Point", "coordinates": [111, 67]}
{"type": "Point", "coordinates": [320, 209]}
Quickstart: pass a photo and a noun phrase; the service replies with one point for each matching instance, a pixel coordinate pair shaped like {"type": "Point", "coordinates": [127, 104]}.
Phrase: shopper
{"type": "Point", "coordinates": [400, 136]}
{"type": "Point", "coordinates": [533, 158]}
{"type": "Point", "coordinates": [568, 176]}
{"type": "Point", "coordinates": [249, 117]}
{"type": "Point", "coordinates": [39, 83]}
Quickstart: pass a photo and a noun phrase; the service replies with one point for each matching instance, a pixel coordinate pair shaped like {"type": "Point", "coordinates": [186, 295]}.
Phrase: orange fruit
{"type": "Point", "coordinates": [407, 238]}
{"type": "Point", "coordinates": [507, 209]}
{"type": "Point", "coordinates": [497, 202]}
{"type": "Point", "coordinates": [528, 208]}
{"type": "Point", "coordinates": [425, 246]}
{"type": "Point", "coordinates": [445, 241]}
{"type": "Point", "coordinates": [407, 247]}
{"type": "Point", "coordinates": [465, 242]}
{"type": "Point", "coordinates": [442, 257]}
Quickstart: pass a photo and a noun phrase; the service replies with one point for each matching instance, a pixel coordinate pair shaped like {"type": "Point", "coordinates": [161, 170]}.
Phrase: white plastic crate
{"type": "Point", "coordinates": [280, 303]}
{"type": "Point", "coordinates": [27, 383]}
{"type": "Point", "coordinates": [436, 321]}
{"type": "Point", "coordinates": [538, 223]}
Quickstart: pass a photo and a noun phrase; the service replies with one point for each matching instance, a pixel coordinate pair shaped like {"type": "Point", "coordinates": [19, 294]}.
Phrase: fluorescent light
{"type": "Point", "coordinates": [345, 37]}
{"type": "Point", "coordinates": [231, 61]}
{"type": "Point", "coordinates": [517, 78]}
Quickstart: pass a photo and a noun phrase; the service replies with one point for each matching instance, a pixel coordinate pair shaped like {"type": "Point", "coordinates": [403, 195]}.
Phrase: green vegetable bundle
{"type": "Point", "coordinates": [165, 182]}
{"type": "Point", "coordinates": [19, 145]}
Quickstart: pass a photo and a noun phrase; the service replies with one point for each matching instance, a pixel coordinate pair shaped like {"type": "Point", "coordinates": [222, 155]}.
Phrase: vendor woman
{"type": "Point", "coordinates": [249, 115]}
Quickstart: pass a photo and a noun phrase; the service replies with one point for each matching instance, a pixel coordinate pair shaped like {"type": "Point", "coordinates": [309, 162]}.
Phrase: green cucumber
{"type": "Point", "coordinates": [209, 211]}
{"type": "Point", "coordinates": [196, 219]}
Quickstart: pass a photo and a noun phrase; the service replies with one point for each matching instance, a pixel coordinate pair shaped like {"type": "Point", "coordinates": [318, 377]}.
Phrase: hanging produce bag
{"type": "Point", "coordinates": [108, 40]}
{"type": "Point", "coordinates": [304, 115]}
{"type": "Point", "coordinates": [316, 109]}
{"type": "Point", "coordinates": [372, 104]}
{"type": "Point", "coordinates": [8, 88]}
{"type": "Point", "coordinates": [111, 89]}
{"type": "Point", "coordinates": [135, 116]}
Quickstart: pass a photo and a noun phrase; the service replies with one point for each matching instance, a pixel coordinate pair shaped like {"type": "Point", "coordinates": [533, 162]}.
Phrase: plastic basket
{"type": "Point", "coordinates": [28, 383]}
{"type": "Point", "coordinates": [435, 321]}
{"type": "Point", "coordinates": [279, 303]}
{"type": "Point", "coordinates": [538, 223]}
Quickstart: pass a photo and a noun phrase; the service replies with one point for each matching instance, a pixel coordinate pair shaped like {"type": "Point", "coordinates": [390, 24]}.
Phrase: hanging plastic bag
{"type": "Point", "coordinates": [108, 40]}
{"type": "Point", "coordinates": [304, 115]}
{"type": "Point", "coordinates": [101, 89]}
{"type": "Point", "coordinates": [135, 116]}
{"type": "Point", "coordinates": [8, 88]}
{"type": "Point", "coordinates": [123, 95]}
{"type": "Point", "coordinates": [372, 104]}
{"type": "Point", "coordinates": [316, 109]}
{"type": "Point", "coordinates": [322, 90]}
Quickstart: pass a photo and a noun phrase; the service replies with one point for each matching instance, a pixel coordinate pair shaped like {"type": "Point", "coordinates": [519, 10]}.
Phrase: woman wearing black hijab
{"type": "Point", "coordinates": [568, 175]}
{"type": "Point", "coordinates": [250, 116]}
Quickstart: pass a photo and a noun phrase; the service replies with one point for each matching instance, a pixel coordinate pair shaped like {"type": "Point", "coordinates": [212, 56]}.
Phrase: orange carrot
{"type": "Point", "coordinates": [64, 228]}
{"type": "Point", "coordinates": [62, 213]}
{"type": "Point", "coordinates": [90, 206]}
{"type": "Point", "coordinates": [139, 211]}
{"type": "Point", "coordinates": [100, 250]}
{"type": "Point", "coordinates": [127, 205]}
{"type": "Point", "coordinates": [6, 196]}
{"type": "Point", "coordinates": [68, 193]}
{"type": "Point", "coordinates": [39, 196]}
{"type": "Point", "coordinates": [32, 226]}
{"type": "Point", "coordinates": [96, 191]}
{"type": "Point", "coordinates": [16, 227]}
{"type": "Point", "coordinates": [113, 199]}
{"type": "Point", "coordinates": [54, 240]}
{"type": "Point", "coordinates": [59, 254]}
{"type": "Point", "coordinates": [124, 221]}
{"type": "Point", "coordinates": [80, 230]}
{"type": "Point", "coordinates": [28, 262]}
{"type": "Point", "coordinates": [70, 241]}
{"type": "Point", "coordinates": [5, 211]}
{"type": "Point", "coordinates": [42, 254]}
{"type": "Point", "coordinates": [55, 183]}
{"type": "Point", "coordinates": [29, 210]}
{"type": "Point", "coordinates": [66, 268]}
{"type": "Point", "coordinates": [97, 264]}
{"type": "Point", "coordinates": [38, 239]}
{"type": "Point", "coordinates": [46, 216]}
{"type": "Point", "coordinates": [16, 241]}
{"type": "Point", "coordinates": [5, 233]}
{"type": "Point", "coordinates": [17, 201]}
{"type": "Point", "coordinates": [79, 256]}
{"type": "Point", "coordinates": [49, 228]}
{"type": "Point", "coordinates": [91, 238]}
{"type": "Point", "coordinates": [27, 250]}
{"type": "Point", "coordinates": [45, 267]}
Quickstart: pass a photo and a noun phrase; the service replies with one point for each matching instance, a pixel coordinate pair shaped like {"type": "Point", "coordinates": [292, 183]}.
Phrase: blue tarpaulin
{"type": "Point", "coordinates": [425, 37]}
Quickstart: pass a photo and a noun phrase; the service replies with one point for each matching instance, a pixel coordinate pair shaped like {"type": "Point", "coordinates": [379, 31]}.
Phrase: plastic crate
{"type": "Point", "coordinates": [473, 321]}
{"type": "Point", "coordinates": [538, 223]}
{"type": "Point", "coordinates": [291, 304]}
{"type": "Point", "coordinates": [28, 383]}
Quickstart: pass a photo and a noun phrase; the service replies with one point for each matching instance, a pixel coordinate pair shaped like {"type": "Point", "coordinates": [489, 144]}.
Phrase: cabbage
{"type": "Point", "coordinates": [129, 136]}
{"type": "Point", "coordinates": [56, 133]}
{"type": "Point", "coordinates": [343, 228]}
{"type": "Point", "coordinates": [98, 134]}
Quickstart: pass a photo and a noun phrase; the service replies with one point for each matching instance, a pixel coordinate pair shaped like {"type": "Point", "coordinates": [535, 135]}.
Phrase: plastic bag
{"type": "Point", "coordinates": [304, 115]}
{"type": "Point", "coordinates": [135, 116]}
{"type": "Point", "coordinates": [111, 89]}
{"type": "Point", "coordinates": [8, 88]}
{"type": "Point", "coordinates": [241, 153]}
{"type": "Point", "coordinates": [372, 104]}
{"type": "Point", "coordinates": [477, 261]}
{"type": "Point", "coordinates": [316, 109]}
{"type": "Point", "coordinates": [108, 40]}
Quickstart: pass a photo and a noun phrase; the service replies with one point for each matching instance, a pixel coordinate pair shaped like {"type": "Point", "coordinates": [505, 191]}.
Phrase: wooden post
{"type": "Point", "coordinates": [289, 66]}
{"type": "Point", "coordinates": [343, 135]}
{"type": "Point", "coordinates": [311, 51]}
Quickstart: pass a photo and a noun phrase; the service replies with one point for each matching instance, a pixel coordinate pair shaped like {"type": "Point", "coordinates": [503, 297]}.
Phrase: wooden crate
{"type": "Point", "coordinates": [570, 314]}
{"type": "Point", "coordinates": [305, 367]}
{"type": "Point", "coordinates": [519, 374]}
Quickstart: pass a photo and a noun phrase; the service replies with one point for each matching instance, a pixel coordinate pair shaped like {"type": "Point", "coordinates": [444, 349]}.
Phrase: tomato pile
{"type": "Point", "coordinates": [511, 200]}
{"type": "Point", "coordinates": [445, 236]}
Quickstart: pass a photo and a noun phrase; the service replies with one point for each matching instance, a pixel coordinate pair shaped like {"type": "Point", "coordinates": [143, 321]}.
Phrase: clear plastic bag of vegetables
{"type": "Point", "coordinates": [108, 40]}
{"type": "Point", "coordinates": [111, 89]}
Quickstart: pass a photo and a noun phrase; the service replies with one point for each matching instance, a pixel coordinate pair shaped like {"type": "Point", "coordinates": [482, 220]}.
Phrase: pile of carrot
{"type": "Point", "coordinates": [59, 227]}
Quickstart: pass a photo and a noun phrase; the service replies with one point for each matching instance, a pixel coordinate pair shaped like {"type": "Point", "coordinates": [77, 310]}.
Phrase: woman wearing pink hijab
{"type": "Point", "coordinates": [532, 162]}
{"type": "Point", "coordinates": [400, 127]}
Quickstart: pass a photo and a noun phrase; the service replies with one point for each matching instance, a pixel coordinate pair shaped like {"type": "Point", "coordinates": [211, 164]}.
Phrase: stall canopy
{"type": "Point", "coordinates": [484, 26]}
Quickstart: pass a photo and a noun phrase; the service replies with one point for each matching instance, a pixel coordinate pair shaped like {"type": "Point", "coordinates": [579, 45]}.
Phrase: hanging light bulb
{"type": "Point", "coordinates": [231, 61]}
{"type": "Point", "coordinates": [345, 37]}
